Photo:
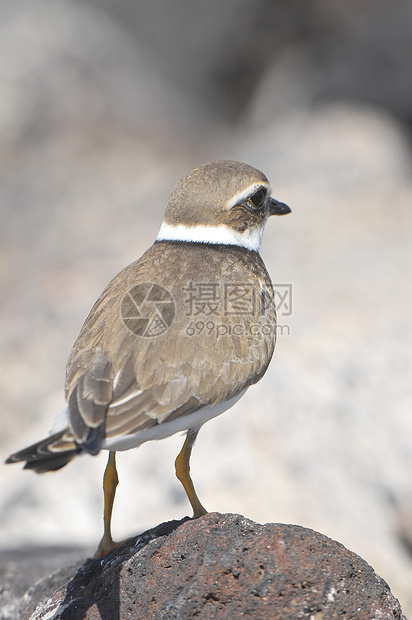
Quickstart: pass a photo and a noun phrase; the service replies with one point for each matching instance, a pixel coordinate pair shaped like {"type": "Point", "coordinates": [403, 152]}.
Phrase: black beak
{"type": "Point", "coordinates": [278, 208]}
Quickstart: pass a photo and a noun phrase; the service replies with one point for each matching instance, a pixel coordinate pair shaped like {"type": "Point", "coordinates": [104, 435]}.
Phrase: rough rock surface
{"type": "Point", "coordinates": [220, 566]}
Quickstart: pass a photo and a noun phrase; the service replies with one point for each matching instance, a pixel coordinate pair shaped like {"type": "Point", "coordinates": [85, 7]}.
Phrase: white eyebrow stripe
{"type": "Point", "coordinates": [241, 196]}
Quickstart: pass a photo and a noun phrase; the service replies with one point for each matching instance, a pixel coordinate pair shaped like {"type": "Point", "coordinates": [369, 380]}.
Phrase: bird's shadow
{"type": "Point", "coordinates": [97, 582]}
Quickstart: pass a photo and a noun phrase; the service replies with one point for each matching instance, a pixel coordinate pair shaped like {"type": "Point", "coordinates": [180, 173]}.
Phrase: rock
{"type": "Point", "coordinates": [29, 574]}
{"type": "Point", "coordinates": [222, 566]}
{"type": "Point", "coordinates": [356, 50]}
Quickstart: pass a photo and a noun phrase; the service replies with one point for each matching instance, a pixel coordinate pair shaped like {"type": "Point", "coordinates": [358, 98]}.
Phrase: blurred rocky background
{"type": "Point", "coordinates": [103, 107]}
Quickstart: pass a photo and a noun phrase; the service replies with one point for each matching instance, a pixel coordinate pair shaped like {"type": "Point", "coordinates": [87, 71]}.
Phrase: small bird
{"type": "Point", "coordinates": [177, 337]}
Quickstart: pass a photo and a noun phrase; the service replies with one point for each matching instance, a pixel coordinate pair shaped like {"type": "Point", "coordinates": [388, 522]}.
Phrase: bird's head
{"type": "Point", "coordinates": [225, 202]}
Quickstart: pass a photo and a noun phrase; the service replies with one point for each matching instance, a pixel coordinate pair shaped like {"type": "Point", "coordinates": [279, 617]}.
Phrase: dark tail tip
{"type": "Point", "coordinates": [51, 463]}
{"type": "Point", "coordinates": [40, 456]}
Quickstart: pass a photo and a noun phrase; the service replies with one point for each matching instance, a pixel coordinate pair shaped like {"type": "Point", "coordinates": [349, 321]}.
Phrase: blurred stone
{"type": "Point", "coordinates": [356, 49]}
{"type": "Point", "coordinates": [346, 52]}
{"type": "Point", "coordinates": [215, 52]}
{"type": "Point", "coordinates": [363, 54]}
{"type": "Point", "coordinates": [222, 566]}
{"type": "Point", "coordinates": [28, 575]}
{"type": "Point", "coordinates": [73, 66]}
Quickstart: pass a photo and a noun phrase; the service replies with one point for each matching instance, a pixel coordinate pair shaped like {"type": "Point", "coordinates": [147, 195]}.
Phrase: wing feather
{"type": "Point", "coordinates": [120, 383]}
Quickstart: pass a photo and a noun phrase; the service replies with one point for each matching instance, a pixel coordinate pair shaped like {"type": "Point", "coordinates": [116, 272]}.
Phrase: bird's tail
{"type": "Point", "coordinates": [49, 454]}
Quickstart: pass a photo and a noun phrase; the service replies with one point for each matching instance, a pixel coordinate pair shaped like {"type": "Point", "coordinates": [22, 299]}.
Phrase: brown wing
{"type": "Point", "coordinates": [89, 398]}
{"type": "Point", "coordinates": [166, 338]}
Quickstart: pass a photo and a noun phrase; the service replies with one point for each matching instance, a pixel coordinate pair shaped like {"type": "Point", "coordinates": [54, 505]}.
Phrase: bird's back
{"type": "Point", "coordinates": [186, 326]}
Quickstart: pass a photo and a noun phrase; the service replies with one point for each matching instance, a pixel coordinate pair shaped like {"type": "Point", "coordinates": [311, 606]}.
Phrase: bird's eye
{"type": "Point", "coordinates": [258, 198]}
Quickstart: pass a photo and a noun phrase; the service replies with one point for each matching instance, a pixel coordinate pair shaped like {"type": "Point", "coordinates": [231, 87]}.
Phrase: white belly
{"type": "Point", "coordinates": [166, 429]}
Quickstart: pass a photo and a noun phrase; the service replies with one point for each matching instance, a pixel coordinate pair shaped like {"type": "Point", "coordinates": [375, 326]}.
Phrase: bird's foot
{"type": "Point", "coordinates": [199, 511]}
{"type": "Point", "coordinates": [106, 545]}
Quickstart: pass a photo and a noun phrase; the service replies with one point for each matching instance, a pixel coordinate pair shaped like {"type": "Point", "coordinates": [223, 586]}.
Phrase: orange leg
{"type": "Point", "coordinates": [110, 482]}
{"type": "Point", "coordinates": [182, 465]}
